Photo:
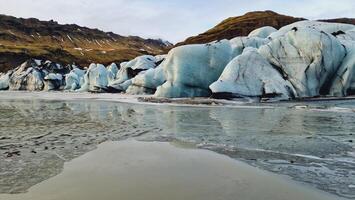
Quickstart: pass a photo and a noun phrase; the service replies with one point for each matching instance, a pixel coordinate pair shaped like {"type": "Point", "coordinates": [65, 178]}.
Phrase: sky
{"type": "Point", "coordinates": [172, 20]}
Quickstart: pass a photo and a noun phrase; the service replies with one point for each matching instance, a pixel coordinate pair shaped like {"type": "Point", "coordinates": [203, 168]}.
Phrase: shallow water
{"type": "Point", "coordinates": [310, 142]}
{"type": "Point", "coordinates": [132, 170]}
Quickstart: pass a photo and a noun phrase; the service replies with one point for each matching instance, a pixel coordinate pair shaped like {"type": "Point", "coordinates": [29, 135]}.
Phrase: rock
{"type": "Point", "coordinates": [74, 79]}
{"type": "Point", "coordinates": [344, 81]}
{"type": "Point", "coordinates": [190, 69]}
{"type": "Point", "coordinates": [251, 75]}
{"type": "Point", "coordinates": [308, 58]}
{"type": "Point", "coordinates": [95, 79]}
{"type": "Point", "coordinates": [263, 32]}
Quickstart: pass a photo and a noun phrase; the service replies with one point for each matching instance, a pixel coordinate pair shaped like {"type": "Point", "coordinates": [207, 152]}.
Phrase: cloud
{"type": "Point", "coordinates": [173, 20]}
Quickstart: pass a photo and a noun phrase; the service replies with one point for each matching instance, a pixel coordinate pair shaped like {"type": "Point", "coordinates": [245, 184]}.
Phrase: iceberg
{"type": "Point", "coordinates": [251, 75]}
{"type": "Point", "coordinates": [190, 69]}
{"type": "Point", "coordinates": [74, 79]}
{"type": "Point", "coordinates": [129, 70]}
{"type": "Point", "coordinates": [123, 86]}
{"type": "Point", "coordinates": [147, 82]}
{"type": "Point", "coordinates": [95, 79]}
{"type": "Point", "coordinates": [112, 71]}
{"type": "Point", "coordinates": [308, 58]}
{"type": "Point", "coordinates": [5, 80]}
{"type": "Point", "coordinates": [344, 81]}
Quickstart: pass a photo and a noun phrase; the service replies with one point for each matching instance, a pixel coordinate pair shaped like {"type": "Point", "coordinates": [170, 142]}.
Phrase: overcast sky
{"type": "Point", "coordinates": [173, 20]}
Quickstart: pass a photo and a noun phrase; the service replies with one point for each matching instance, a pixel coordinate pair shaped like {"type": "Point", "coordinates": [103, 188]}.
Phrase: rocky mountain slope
{"type": "Point", "coordinates": [21, 39]}
{"type": "Point", "coordinates": [243, 25]}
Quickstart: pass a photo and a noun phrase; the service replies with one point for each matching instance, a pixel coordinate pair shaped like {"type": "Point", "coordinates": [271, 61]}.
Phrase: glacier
{"type": "Point", "coordinates": [306, 59]}
{"type": "Point", "coordinates": [190, 69]}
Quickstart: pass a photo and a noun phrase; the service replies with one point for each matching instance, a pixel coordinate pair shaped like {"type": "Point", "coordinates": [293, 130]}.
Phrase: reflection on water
{"type": "Point", "coordinates": [135, 170]}
{"type": "Point", "coordinates": [312, 144]}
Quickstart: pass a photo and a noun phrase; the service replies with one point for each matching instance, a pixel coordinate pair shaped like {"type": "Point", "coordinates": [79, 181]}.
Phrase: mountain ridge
{"type": "Point", "coordinates": [242, 25]}
{"type": "Point", "coordinates": [21, 39]}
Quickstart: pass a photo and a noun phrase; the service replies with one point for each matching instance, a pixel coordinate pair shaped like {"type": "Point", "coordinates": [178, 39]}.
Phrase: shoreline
{"type": "Point", "coordinates": [150, 100]}
{"type": "Point", "coordinates": [141, 170]}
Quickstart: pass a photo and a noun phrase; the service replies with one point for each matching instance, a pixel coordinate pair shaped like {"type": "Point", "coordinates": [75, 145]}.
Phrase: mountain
{"type": "Point", "coordinates": [340, 20]}
{"type": "Point", "coordinates": [21, 39]}
{"type": "Point", "coordinates": [243, 25]}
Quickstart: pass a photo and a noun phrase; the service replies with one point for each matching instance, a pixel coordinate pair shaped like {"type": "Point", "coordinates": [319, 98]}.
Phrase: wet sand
{"type": "Point", "coordinates": [131, 170]}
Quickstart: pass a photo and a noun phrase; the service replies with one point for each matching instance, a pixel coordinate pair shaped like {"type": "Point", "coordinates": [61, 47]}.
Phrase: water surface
{"type": "Point", "coordinates": [131, 170]}
{"type": "Point", "coordinates": [312, 143]}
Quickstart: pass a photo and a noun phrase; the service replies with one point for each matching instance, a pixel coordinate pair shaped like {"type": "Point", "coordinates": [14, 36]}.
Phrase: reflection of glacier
{"type": "Point", "coordinates": [283, 129]}
{"type": "Point", "coordinates": [276, 138]}
{"type": "Point", "coordinates": [272, 128]}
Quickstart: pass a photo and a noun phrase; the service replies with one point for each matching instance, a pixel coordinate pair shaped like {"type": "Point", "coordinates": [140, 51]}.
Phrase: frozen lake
{"type": "Point", "coordinates": [312, 143]}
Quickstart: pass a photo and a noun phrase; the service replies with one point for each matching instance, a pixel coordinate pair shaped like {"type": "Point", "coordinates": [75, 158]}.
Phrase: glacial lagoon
{"type": "Point", "coordinates": [311, 143]}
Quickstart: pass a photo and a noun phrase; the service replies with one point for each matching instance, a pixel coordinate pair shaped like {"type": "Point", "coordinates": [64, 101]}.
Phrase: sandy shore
{"type": "Point", "coordinates": [131, 170]}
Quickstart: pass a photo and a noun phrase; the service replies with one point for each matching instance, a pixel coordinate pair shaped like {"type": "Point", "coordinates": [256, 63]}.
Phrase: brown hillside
{"type": "Point", "coordinates": [340, 20]}
{"type": "Point", "coordinates": [21, 39]}
{"type": "Point", "coordinates": [242, 26]}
